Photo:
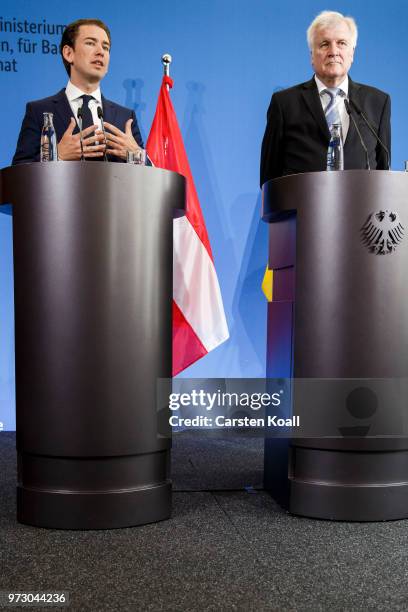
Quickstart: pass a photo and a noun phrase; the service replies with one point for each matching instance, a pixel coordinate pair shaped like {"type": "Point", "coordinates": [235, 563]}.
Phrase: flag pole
{"type": "Point", "coordinates": [166, 61]}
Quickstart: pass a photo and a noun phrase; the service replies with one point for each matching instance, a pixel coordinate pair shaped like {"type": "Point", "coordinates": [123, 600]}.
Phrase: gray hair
{"type": "Point", "coordinates": [328, 19]}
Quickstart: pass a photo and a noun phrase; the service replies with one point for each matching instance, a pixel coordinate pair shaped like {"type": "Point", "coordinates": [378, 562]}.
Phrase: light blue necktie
{"type": "Point", "coordinates": [332, 109]}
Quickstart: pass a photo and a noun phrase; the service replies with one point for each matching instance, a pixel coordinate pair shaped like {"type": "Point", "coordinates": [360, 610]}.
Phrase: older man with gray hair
{"type": "Point", "coordinates": [297, 134]}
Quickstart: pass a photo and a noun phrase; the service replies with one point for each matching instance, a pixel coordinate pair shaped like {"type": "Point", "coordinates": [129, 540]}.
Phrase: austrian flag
{"type": "Point", "coordinates": [199, 323]}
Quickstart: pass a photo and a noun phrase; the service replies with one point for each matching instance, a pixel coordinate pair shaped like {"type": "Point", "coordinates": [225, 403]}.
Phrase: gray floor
{"type": "Point", "coordinates": [228, 546]}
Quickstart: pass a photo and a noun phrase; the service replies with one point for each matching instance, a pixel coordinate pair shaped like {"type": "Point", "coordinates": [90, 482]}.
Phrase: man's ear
{"type": "Point", "coordinates": [67, 53]}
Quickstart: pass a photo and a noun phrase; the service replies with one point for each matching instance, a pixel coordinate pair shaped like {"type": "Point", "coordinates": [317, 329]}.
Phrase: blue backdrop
{"type": "Point", "coordinates": [228, 58]}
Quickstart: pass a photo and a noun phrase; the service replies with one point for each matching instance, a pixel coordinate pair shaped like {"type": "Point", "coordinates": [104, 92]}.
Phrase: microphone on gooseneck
{"type": "Point", "coordinates": [80, 120]}
{"type": "Point", "coordinates": [372, 130]}
{"type": "Point", "coordinates": [100, 115]}
{"type": "Point", "coordinates": [348, 109]}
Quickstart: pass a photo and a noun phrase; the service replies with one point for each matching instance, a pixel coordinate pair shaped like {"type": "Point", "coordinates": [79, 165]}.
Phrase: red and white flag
{"type": "Point", "coordinates": [199, 323]}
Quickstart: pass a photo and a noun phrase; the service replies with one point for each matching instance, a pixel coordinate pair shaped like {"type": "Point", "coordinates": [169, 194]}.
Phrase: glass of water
{"type": "Point", "coordinates": [136, 157]}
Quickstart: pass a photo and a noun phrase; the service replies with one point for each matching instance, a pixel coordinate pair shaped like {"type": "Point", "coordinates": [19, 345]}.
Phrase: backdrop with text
{"type": "Point", "coordinates": [228, 58]}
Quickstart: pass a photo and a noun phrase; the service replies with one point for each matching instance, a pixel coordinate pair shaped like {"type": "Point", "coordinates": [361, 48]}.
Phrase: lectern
{"type": "Point", "coordinates": [338, 329]}
{"type": "Point", "coordinates": [92, 247]}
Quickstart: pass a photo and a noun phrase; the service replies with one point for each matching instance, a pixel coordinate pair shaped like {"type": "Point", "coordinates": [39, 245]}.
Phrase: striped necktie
{"type": "Point", "coordinates": [332, 110]}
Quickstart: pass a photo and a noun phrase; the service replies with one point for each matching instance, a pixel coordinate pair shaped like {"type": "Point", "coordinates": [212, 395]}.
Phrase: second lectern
{"type": "Point", "coordinates": [338, 329]}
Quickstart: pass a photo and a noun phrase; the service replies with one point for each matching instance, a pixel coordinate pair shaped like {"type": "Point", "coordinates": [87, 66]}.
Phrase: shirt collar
{"type": "Point", "coordinates": [344, 85]}
{"type": "Point", "coordinates": [73, 93]}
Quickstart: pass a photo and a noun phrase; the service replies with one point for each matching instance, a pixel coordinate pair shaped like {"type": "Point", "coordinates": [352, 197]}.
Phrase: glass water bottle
{"type": "Point", "coordinates": [335, 157]}
{"type": "Point", "coordinates": [48, 140]}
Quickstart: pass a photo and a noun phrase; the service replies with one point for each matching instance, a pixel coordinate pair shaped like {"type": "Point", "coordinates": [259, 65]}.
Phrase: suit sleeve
{"type": "Point", "coordinates": [136, 132]}
{"type": "Point", "coordinates": [384, 132]}
{"type": "Point", "coordinates": [271, 153]}
{"type": "Point", "coordinates": [28, 144]}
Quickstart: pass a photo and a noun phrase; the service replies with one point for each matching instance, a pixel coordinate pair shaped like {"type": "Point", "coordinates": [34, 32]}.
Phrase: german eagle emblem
{"type": "Point", "coordinates": [382, 232]}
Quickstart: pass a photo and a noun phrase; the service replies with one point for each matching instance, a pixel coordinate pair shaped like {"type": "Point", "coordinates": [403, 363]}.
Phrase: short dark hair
{"type": "Point", "coordinates": [70, 34]}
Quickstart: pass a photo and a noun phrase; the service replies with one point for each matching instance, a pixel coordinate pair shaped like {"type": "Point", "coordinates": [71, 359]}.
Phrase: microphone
{"type": "Point", "coordinates": [100, 115]}
{"type": "Point", "coordinates": [348, 109]}
{"type": "Point", "coordinates": [372, 130]}
{"type": "Point", "coordinates": [80, 116]}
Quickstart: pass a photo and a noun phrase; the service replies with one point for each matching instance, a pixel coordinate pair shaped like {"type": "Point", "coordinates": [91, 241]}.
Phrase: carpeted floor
{"type": "Point", "coordinates": [228, 546]}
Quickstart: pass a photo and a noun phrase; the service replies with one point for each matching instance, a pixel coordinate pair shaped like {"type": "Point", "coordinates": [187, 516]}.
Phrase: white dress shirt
{"type": "Point", "coordinates": [74, 94]}
{"type": "Point", "coordinates": [325, 100]}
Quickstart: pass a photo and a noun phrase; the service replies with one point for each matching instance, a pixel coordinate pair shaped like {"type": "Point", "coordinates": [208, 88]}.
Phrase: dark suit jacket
{"type": "Point", "coordinates": [297, 137]}
{"type": "Point", "coordinates": [28, 144]}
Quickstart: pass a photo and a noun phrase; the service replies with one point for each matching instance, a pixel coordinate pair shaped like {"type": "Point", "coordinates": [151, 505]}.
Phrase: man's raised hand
{"type": "Point", "coordinates": [69, 147]}
{"type": "Point", "coordinates": [120, 142]}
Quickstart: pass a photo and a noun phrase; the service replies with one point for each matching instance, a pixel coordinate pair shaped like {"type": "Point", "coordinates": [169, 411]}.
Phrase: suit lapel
{"type": "Point", "coordinates": [109, 111]}
{"type": "Point", "coordinates": [311, 97]}
{"type": "Point", "coordinates": [353, 94]}
{"type": "Point", "coordinates": [63, 112]}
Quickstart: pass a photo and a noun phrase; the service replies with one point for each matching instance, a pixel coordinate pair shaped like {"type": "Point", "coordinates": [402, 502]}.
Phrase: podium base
{"type": "Point", "coordinates": [339, 485]}
{"type": "Point", "coordinates": [350, 503]}
{"type": "Point", "coordinates": [72, 510]}
{"type": "Point", "coordinates": [93, 492]}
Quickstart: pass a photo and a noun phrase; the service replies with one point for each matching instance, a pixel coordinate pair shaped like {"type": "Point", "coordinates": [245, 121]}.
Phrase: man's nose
{"type": "Point", "coordinates": [333, 49]}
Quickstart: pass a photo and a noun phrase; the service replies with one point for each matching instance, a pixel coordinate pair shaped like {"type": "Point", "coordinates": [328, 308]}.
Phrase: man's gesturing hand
{"type": "Point", "coordinates": [120, 142]}
{"type": "Point", "coordinates": [69, 147]}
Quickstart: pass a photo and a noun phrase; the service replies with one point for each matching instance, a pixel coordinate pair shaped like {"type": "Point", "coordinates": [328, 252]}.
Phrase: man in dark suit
{"type": "Point", "coordinates": [298, 129]}
{"type": "Point", "coordinates": [85, 50]}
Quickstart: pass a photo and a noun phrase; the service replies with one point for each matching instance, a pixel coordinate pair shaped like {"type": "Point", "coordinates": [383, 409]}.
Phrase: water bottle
{"type": "Point", "coordinates": [335, 159]}
{"type": "Point", "coordinates": [48, 140]}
